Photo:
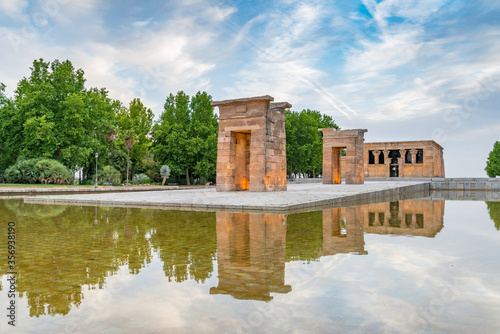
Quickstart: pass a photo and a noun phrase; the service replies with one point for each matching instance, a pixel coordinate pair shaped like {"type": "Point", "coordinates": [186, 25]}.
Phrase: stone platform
{"type": "Point", "coordinates": [297, 198]}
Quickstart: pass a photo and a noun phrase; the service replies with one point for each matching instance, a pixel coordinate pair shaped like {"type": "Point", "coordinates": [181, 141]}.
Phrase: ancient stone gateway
{"type": "Point", "coordinates": [352, 141]}
{"type": "Point", "coordinates": [251, 151]}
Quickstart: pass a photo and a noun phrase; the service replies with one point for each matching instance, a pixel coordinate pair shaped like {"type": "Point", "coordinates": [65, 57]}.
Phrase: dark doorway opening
{"type": "Point", "coordinates": [394, 170]}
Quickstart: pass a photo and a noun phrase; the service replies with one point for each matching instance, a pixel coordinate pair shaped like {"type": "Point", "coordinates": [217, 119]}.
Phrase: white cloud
{"type": "Point", "coordinates": [282, 62]}
{"type": "Point", "coordinates": [394, 50]}
{"type": "Point", "coordinates": [150, 63]}
{"type": "Point", "coordinates": [13, 8]}
{"type": "Point", "coordinates": [220, 14]}
{"type": "Point", "coordinates": [406, 75]}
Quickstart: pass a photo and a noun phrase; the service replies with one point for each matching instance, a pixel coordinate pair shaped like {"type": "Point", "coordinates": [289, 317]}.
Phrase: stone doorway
{"type": "Point", "coordinates": [242, 160]}
{"type": "Point", "coordinates": [336, 170]}
{"type": "Point", "coordinates": [394, 170]}
{"type": "Point", "coordinates": [395, 157]}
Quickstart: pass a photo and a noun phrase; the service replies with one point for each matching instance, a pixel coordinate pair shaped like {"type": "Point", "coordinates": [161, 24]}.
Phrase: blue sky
{"type": "Point", "coordinates": [404, 70]}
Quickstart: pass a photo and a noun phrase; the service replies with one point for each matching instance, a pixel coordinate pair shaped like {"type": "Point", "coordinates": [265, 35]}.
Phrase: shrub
{"type": "Point", "coordinates": [38, 171]}
{"type": "Point", "coordinates": [29, 170]}
{"type": "Point", "coordinates": [13, 175]}
{"type": "Point", "coordinates": [44, 167]}
{"type": "Point", "coordinates": [109, 174]}
{"type": "Point", "coordinates": [59, 174]}
{"type": "Point", "coordinates": [140, 179]}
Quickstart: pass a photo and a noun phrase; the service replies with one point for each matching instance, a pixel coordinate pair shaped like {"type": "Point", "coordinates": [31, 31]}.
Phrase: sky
{"type": "Point", "coordinates": [404, 70]}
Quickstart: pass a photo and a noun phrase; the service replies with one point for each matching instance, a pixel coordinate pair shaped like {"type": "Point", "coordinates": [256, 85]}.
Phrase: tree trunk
{"type": "Point", "coordinates": [187, 177]}
{"type": "Point", "coordinates": [128, 158]}
{"type": "Point", "coordinates": [314, 173]}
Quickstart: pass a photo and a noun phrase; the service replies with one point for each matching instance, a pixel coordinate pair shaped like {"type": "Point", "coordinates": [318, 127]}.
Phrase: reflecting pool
{"type": "Point", "coordinates": [424, 266]}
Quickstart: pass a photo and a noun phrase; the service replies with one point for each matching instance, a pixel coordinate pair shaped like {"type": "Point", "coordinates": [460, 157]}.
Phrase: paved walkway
{"type": "Point", "coordinates": [298, 196]}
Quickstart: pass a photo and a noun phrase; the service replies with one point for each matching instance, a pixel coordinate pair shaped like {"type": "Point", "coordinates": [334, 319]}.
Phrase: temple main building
{"type": "Point", "coordinates": [407, 159]}
{"type": "Point", "coordinates": [251, 150]}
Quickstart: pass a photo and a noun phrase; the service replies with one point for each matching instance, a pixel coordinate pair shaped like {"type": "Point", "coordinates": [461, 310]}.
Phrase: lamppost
{"type": "Point", "coordinates": [96, 156]}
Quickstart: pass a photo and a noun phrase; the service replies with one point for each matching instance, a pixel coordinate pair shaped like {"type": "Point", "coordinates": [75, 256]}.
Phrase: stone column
{"type": "Point", "coordinates": [387, 163]}
{"type": "Point", "coordinates": [413, 156]}
{"type": "Point", "coordinates": [376, 155]}
{"type": "Point", "coordinates": [400, 164]}
{"type": "Point", "coordinates": [404, 156]}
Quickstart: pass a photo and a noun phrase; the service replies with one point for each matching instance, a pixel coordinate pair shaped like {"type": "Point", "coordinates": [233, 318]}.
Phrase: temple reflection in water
{"type": "Point", "coordinates": [69, 249]}
{"type": "Point", "coordinates": [343, 231]}
{"type": "Point", "coordinates": [252, 251]}
{"type": "Point", "coordinates": [416, 217]}
{"type": "Point", "coordinates": [251, 255]}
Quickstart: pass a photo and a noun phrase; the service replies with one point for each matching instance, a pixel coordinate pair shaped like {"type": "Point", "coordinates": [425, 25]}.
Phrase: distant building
{"type": "Point", "coordinates": [406, 159]}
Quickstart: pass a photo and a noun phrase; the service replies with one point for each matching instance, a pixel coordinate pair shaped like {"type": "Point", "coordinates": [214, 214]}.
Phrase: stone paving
{"type": "Point", "coordinates": [298, 196]}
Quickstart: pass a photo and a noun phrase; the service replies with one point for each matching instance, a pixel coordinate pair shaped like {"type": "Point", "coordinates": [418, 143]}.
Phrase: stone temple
{"type": "Point", "coordinates": [251, 150]}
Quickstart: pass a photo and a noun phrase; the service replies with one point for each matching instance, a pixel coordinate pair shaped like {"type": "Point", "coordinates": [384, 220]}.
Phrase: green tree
{"type": "Point", "coordinates": [134, 127]}
{"type": "Point", "coordinates": [53, 115]}
{"type": "Point", "coordinates": [185, 137]}
{"type": "Point", "coordinates": [3, 99]}
{"type": "Point", "coordinates": [109, 174]}
{"type": "Point", "coordinates": [9, 139]}
{"type": "Point", "coordinates": [493, 163]}
{"type": "Point", "coordinates": [304, 142]}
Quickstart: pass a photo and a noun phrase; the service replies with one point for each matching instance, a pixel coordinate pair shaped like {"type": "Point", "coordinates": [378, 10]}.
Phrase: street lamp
{"type": "Point", "coordinates": [96, 156]}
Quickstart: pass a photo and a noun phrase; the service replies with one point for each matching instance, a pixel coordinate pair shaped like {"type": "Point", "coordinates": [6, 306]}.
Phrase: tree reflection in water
{"type": "Point", "coordinates": [494, 211]}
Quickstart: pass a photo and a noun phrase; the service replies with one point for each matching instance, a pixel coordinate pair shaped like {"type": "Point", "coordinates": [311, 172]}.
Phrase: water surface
{"type": "Point", "coordinates": [422, 265]}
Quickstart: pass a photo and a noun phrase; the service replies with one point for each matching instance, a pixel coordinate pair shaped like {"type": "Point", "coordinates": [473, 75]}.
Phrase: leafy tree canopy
{"type": "Point", "coordinates": [304, 142]}
{"type": "Point", "coordinates": [54, 116]}
{"type": "Point", "coordinates": [185, 137]}
{"type": "Point", "coordinates": [493, 163]}
{"type": "Point", "coordinates": [134, 127]}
